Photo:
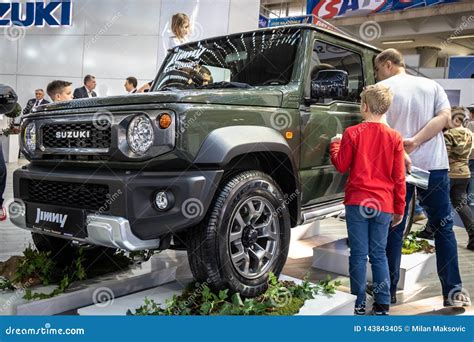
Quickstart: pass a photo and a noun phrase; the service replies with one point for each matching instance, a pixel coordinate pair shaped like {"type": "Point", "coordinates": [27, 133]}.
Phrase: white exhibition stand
{"type": "Point", "coordinates": [10, 147]}
{"type": "Point", "coordinates": [306, 231]}
{"type": "Point", "coordinates": [114, 285]}
{"type": "Point", "coordinates": [338, 304]}
{"type": "Point", "coordinates": [334, 257]}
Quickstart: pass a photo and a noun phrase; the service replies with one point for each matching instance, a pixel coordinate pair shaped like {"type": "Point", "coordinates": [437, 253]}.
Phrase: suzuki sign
{"type": "Point", "coordinates": [52, 13]}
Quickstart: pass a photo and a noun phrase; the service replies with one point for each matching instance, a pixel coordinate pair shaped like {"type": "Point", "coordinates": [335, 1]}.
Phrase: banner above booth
{"type": "Point", "coordinates": [328, 9]}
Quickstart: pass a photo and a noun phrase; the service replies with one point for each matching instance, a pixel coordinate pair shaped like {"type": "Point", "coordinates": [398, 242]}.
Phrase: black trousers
{"type": "Point", "coordinates": [3, 175]}
{"type": "Point", "coordinates": [460, 202]}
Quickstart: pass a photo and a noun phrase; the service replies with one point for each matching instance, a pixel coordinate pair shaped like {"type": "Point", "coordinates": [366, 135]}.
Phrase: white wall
{"type": "Point", "coordinates": [112, 39]}
{"type": "Point", "coordinates": [466, 86]}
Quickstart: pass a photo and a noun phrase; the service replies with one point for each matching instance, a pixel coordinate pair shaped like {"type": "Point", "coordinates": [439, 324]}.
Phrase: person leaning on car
{"type": "Point", "coordinates": [420, 111]}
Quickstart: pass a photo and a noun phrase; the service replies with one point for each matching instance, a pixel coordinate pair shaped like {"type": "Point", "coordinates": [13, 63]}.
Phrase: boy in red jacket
{"type": "Point", "coordinates": [375, 191]}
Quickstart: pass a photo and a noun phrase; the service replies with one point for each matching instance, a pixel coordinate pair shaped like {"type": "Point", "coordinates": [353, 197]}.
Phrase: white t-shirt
{"type": "Point", "coordinates": [416, 100]}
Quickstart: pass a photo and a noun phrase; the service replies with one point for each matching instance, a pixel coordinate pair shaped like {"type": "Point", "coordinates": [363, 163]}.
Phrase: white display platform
{"type": "Point", "coordinates": [306, 231]}
{"type": "Point", "coordinates": [147, 275]}
{"type": "Point", "coordinates": [338, 304]}
{"type": "Point", "coordinates": [11, 147]}
{"type": "Point", "coordinates": [334, 257]}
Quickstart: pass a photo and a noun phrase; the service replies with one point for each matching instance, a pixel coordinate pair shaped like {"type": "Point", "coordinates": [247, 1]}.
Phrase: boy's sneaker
{"type": "Point", "coordinates": [458, 300]}
{"type": "Point", "coordinates": [359, 310]}
{"type": "Point", "coordinates": [3, 214]}
{"type": "Point", "coordinates": [380, 309]}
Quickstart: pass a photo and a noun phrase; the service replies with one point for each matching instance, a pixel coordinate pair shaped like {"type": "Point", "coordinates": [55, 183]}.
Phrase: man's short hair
{"type": "Point", "coordinates": [56, 87]}
{"type": "Point", "coordinates": [88, 78]}
{"type": "Point", "coordinates": [377, 97]}
{"type": "Point", "coordinates": [392, 55]}
{"type": "Point", "coordinates": [132, 80]}
{"type": "Point", "coordinates": [41, 90]}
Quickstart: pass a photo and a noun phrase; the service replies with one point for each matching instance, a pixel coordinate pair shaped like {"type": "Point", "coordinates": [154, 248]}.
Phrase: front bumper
{"type": "Point", "coordinates": [129, 220]}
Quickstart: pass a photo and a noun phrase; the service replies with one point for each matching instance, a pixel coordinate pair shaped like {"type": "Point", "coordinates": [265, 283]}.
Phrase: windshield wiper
{"type": "Point", "coordinates": [225, 84]}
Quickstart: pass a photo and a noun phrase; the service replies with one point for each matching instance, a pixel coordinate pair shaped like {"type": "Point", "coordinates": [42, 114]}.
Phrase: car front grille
{"type": "Point", "coordinates": [95, 135]}
{"type": "Point", "coordinates": [74, 195]}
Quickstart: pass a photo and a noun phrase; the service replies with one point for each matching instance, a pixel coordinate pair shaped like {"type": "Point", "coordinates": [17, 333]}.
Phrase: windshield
{"type": "Point", "coordinates": [242, 61]}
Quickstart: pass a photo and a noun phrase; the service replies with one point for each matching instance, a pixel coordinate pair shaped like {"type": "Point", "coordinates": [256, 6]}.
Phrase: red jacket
{"type": "Point", "coordinates": [374, 155]}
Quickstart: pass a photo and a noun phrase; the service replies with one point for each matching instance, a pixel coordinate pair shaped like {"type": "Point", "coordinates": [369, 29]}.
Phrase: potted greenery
{"type": "Point", "coordinates": [10, 136]}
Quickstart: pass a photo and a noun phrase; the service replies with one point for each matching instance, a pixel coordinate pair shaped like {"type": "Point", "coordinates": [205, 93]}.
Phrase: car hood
{"type": "Point", "coordinates": [243, 97]}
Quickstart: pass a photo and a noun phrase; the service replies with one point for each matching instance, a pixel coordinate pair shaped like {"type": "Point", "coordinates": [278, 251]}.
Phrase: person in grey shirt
{"type": "Point", "coordinates": [419, 112]}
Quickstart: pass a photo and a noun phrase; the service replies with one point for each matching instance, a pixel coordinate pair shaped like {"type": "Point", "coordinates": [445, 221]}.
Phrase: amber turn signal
{"type": "Point", "coordinates": [165, 120]}
{"type": "Point", "coordinates": [289, 135]}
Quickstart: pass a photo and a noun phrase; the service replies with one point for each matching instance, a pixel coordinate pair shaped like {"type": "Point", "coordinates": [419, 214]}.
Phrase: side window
{"type": "Point", "coordinates": [332, 57]}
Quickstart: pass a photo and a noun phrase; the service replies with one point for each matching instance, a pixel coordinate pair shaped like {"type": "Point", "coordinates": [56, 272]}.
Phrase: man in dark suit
{"type": "Point", "coordinates": [37, 101]}
{"type": "Point", "coordinates": [131, 85]}
{"type": "Point", "coordinates": [87, 90]}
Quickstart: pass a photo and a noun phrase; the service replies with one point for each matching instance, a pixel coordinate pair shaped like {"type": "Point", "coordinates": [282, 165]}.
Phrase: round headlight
{"type": "Point", "coordinates": [30, 137]}
{"type": "Point", "coordinates": [140, 134]}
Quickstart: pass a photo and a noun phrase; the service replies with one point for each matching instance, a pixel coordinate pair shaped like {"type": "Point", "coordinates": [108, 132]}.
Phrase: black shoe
{"type": "Point", "coordinates": [458, 300]}
{"type": "Point", "coordinates": [359, 310]}
{"type": "Point", "coordinates": [425, 234]}
{"type": "Point", "coordinates": [369, 289]}
{"type": "Point", "coordinates": [470, 244]}
{"type": "Point", "coordinates": [393, 299]}
{"type": "Point", "coordinates": [380, 309]}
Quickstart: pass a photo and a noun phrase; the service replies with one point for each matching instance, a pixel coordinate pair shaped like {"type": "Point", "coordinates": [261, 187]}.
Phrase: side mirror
{"type": "Point", "coordinates": [329, 84]}
{"type": "Point", "coordinates": [8, 99]}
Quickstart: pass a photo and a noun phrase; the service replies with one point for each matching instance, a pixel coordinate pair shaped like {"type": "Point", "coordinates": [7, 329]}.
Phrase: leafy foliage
{"type": "Point", "coordinates": [280, 298]}
{"type": "Point", "coordinates": [413, 244]}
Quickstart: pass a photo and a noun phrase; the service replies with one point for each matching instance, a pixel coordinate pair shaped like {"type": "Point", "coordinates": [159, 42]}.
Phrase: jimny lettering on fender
{"type": "Point", "coordinates": [52, 13]}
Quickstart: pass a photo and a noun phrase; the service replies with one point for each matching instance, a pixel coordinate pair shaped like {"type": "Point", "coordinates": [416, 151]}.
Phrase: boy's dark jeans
{"type": "Point", "coordinates": [435, 200]}
{"type": "Point", "coordinates": [3, 175]}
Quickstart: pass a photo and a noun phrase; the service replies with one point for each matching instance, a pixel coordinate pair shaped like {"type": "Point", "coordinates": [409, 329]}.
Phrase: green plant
{"type": "Point", "coordinates": [413, 244]}
{"type": "Point", "coordinates": [280, 298]}
{"type": "Point", "coordinates": [16, 112]}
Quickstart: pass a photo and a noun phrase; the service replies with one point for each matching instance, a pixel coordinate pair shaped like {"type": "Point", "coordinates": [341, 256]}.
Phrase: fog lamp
{"type": "Point", "coordinates": [164, 200]}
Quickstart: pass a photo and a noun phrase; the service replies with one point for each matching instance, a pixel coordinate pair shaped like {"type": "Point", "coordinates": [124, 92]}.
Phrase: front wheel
{"type": "Point", "coordinates": [244, 237]}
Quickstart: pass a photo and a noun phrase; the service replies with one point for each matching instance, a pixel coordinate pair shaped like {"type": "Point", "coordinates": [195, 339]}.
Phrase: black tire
{"type": "Point", "coordinates": [210, 246]}
{"type": "Point", "coordinates": [410, 216]}
{"type": "Point", "coordinates": [64, 252]}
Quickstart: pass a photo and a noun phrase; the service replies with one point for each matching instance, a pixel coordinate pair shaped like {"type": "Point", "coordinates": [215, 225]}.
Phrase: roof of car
{"type": "Point", "coordinates": [302, 27]}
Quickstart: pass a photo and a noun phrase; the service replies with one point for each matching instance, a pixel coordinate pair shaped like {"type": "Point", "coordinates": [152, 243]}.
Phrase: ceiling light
{"type": "Point", "coordinates": [398, 41]}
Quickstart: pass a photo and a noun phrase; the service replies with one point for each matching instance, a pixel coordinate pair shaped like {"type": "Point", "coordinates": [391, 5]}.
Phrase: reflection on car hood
{"type": "Point", "coordinates": [250, 97]}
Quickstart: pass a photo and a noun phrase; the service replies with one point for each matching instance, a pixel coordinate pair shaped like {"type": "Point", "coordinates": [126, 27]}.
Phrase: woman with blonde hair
{"type": "Point", "coordinates": [180, 27]}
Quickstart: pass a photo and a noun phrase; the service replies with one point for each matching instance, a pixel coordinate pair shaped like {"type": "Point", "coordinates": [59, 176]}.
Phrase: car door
{"type": "Point", "coordinates": [325, 118]}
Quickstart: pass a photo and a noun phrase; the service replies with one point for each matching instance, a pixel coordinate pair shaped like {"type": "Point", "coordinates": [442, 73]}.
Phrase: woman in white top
{"type": "Point", "coordinates": [180, 28]}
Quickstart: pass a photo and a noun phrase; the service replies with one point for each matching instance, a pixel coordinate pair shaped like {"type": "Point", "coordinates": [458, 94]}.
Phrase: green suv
{"type": "Point", "coordinates": [226, 153]}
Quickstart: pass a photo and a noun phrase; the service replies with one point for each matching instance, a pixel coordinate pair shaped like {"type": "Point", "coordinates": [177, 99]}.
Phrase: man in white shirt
{"type": "Point", "coordinates": [87, 90]}
{"type": "Point", "coordinates": [419, 112]}
{"type": "Point", "coordinates": [131, 85]}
